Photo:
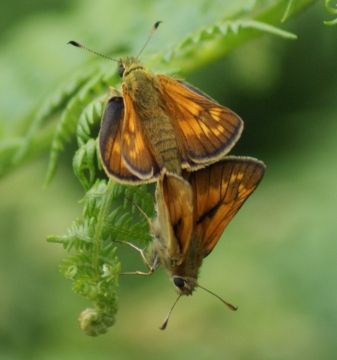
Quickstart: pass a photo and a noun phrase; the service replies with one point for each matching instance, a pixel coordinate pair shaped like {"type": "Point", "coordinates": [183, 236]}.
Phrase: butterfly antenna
{"type": "Point", "coordinates": [163, 327]}
{"type": "Point", "coordinates": [74, 43]}
{"type": "Point", "coordinates": [155, 27]}
{"type": "Point", "coordinates": [230, 306]}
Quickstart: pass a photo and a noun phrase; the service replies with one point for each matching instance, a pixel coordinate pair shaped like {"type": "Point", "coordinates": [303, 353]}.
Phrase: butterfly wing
{"type": "Point", "coordinates": [219, 191]}
{"type": "Point", "coordinates": [110, 141]}
{"type": "Point", "coordinates": [138, 157]}
{"type": "Point", "coordinates": [175, 215]}
{"type": "Point", "coordinates": [205, 130]}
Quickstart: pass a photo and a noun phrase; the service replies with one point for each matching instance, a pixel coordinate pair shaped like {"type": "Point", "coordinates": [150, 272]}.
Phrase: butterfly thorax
{"type": "Point", "coordinates": [142, 86]}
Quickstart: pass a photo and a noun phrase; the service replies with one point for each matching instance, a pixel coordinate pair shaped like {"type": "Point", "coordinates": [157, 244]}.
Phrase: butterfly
{"type": "Point", "coordinates": [193, 212]}
{"type": "Point", "coordinates": [157, 124]}
{"type": "Point", "coordinates": [167, 125]}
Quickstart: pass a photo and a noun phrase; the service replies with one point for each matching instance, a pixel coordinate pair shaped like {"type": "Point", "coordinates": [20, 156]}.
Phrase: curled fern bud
{"type": "Point", "coordinates": [95, 322]}
{"type": "Point", "coordinates": [86, 288]}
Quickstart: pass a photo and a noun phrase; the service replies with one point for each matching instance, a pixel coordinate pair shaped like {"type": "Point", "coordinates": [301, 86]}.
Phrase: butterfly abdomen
{"type": "Point", "coordinates": [164, 141]}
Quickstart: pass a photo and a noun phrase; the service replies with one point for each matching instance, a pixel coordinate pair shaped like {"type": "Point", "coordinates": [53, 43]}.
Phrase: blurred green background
{"type": "Point", "coordinates": [277, 260]}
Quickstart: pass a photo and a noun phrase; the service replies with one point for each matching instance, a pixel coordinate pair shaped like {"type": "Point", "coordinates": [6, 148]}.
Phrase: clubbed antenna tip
{"type": "Point", "coordinates": [157, 24]}
{"type": "Point", "coordinates": [163, 327]}
{"type": "Point", "coordinates": [74, 43]}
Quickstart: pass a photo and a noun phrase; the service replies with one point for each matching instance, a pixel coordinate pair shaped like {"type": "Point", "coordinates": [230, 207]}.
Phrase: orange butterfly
{"type": "Point", "coordinates": [171, 125]}
{"type": "Point", "coordinates": [192, 214]}
{"type": "Point", "coordinates": [190, 223]}
{"type": "Point", "coordinates": [191, 219]}
{"type": "Point", "coordinates": [158, 123]}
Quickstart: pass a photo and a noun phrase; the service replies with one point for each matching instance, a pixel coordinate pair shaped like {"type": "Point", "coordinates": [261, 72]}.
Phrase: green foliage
{"type": "Point", "coordinates": [77, 104]}
{"type": "Point", "coordinates": [332, 11]}
{"type": "Point", "coordinates": [94, 268]}
{"type": "Point", "coordinates": [78, 116]}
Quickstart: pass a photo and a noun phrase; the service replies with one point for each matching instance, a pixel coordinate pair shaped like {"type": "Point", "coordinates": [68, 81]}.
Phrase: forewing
{"type": "Point", "coordinates": [135, 150]}
{"type": "Point", "coordinates": [205, 130]}
{"type": "Point", "coordinates": [219, 191]}
{"type": "Point", "coordinates": [110, 141]}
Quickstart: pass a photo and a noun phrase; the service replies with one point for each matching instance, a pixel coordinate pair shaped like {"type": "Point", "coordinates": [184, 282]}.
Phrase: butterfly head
{"type": "Point", "coordinates": [128, 64]}
{"type": "Point", "coordinates": [184, 285]}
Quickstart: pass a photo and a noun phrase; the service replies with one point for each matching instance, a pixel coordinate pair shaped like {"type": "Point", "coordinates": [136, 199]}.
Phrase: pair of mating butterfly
{"type": "Point", "coordinates": [165, 130]}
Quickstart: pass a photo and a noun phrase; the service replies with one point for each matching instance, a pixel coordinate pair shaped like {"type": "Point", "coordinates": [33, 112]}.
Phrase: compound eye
{"type": "Point", "coordinates": [179, 282]}
{"type": "Point", "coordinates": [121, 69]}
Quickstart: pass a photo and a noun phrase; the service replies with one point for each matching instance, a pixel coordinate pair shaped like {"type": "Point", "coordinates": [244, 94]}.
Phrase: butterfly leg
{"type": "Point", "coordinates": [151, 268]}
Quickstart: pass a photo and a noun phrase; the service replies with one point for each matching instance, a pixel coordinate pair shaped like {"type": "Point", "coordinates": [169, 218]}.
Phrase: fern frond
{"type": "Point", "coordinates": [216, 40]}
{"type": "Point", "coordinates": [94, 268]}
{"type": "Point", "coordinates": [77, 108]}
{"type": "Point", "coordinates": [332, 11]}
{"type": "Point", "coordinates": [97, 283]}
{"type": "Point", "coordinates": [89, 118]}
{"type": "Point", "coordinates": [85, 163]}
{"type": "Point", "coordinates": [51, 107]}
